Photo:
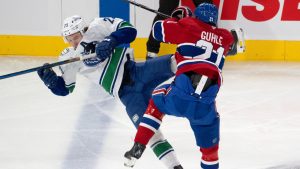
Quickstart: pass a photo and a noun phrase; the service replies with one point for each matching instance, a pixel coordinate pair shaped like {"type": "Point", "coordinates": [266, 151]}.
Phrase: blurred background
{"type": "Point", "coordinates": [32, 27]}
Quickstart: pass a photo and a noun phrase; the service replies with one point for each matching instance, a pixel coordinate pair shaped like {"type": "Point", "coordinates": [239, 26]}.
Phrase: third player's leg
{"type": "Point", "coordinates": [207, 138]}
{"type": "Point", "coordinates": [166, 7]}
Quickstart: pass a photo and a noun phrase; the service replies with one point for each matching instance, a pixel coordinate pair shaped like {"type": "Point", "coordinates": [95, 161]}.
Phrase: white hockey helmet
{"type": "Point", "coordinates": [73, 25]}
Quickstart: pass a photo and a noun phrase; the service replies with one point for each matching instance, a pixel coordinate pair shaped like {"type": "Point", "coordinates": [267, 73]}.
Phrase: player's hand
{"type": "Point", "coordinates": [48, 76]}
{"type": "Point", "coordinates": [88, 48]}
{"type": "Point", "coordinates": [105, 48]}
{"type": "Point", "coordinates": [182, 12]}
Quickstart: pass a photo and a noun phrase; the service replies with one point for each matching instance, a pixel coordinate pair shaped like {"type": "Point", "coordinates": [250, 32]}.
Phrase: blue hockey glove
{"type": "Point", "coordinates": [88, 47]}
{"type": "Point", "coordinates": [48, 76]}
{"type": "Point", "coordinates": [105, 48]}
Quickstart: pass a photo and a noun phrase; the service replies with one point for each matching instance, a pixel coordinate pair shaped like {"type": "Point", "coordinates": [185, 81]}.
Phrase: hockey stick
{"type": "Point", "coordinates": [79, 58]}
{"type": "Point", "coordinates": [147, 8]}
{"type": "Point", "coordinates": [241, 37]}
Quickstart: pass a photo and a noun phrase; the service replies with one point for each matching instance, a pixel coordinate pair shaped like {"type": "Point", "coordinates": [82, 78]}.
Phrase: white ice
{"type": "Point", "coordinates": [259, 105]}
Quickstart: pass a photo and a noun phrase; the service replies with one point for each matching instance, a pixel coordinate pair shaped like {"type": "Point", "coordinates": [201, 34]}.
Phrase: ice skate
{"type": "Point", "coordinates": [132, 155]}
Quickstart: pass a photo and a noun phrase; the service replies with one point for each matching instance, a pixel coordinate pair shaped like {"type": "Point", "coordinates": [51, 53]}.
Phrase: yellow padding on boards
{"type": "Point", "coordinates": [31, 45]}
{"type": "Point", "coordinates": [260, 50]}
{"type": "Point", "coordinates": [256, 50]}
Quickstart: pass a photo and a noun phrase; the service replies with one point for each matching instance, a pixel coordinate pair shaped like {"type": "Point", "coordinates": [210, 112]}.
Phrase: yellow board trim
{"type": "Point", "coordinates": [31, 45]}
{"type": "Point", "coordinates": [256, 50]}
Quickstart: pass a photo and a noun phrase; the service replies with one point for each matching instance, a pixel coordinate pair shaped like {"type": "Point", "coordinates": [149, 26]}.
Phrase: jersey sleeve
{"type": "Point", "coordinates": [109, 25]}
{"type": "Point", "coordinates": [69, 71]}
{"type": "Point", "coordinates": [125, 32]}
{"type": "Point", "coordinates": [168, 31]}
{"type": "Point", "coordinates": [120, 29]}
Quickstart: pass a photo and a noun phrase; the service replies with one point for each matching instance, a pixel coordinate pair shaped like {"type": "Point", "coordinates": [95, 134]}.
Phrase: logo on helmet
{"type": "Point", "coordinates": [73, 25]}
{"type": "Point", "coordinates": [207, 13]}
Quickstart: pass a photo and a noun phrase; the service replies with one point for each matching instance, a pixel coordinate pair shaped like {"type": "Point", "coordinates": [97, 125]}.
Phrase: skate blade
{"type": "Point", "coordinates": [130, 162]}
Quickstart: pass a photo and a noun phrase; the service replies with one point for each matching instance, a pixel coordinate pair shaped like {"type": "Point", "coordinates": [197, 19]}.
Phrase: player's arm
{"type": "Point", "coordinates": [122, 32]}
{"type": "Point", "coordinates": [64, 84]}
{"type": "Point", "coordinates": [170, 30]}
{"type": "Point", "coordinates": [55, 83]}
{"type": "Point", "coordinates": [125, 33]}
{"type": "Point", "coordinates": [167, 31]}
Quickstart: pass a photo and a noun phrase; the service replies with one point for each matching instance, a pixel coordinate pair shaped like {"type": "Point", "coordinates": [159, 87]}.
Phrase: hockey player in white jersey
{"type": "Point", "coordinates": [113, 68]}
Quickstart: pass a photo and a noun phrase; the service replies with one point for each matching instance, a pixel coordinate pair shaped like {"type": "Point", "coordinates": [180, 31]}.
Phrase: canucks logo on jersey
{"type": "Point", "coordinates": [92, 61]}
{"type": "Point", "coordinates": [88, 49]}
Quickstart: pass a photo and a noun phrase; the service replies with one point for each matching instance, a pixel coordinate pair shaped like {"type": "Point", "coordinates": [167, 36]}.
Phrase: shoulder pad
{"type": "Point", "coordinates": [67, 53]}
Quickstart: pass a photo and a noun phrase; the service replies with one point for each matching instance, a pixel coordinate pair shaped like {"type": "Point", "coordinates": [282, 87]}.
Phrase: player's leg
{"type": "Point", "coordinates": [148, 126]}
{"type": "Point", "coordinates": [136, 92]}
{"type": "Point", "coordinates": [155, 71]}
{"type": "Point", "coordinates": [164, 150]}
{"type": "Point", "coordinates": [135, 104]}
{"type": "Point", "coordinates": [166, 7]}
{"type": "Point", "coordinates": [148, 133]}
{"type": "Point", "coordinates": [207, 138]}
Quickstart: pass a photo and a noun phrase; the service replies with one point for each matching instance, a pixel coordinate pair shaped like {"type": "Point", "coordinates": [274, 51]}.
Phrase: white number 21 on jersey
{"type": "Point", "coordinates": [208, 47]}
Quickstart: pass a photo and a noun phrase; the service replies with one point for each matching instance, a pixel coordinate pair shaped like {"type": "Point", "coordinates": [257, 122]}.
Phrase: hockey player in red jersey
{"type": "Point", "coordinates": [200, 56]}
{"type": "Point", "coordinates": [167, 7]}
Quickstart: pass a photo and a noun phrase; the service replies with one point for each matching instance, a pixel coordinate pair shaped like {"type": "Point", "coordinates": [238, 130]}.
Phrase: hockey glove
{"type": "Point", "coordinates": [105, 48]}
{"type": "Point", "coordinates": [233, 48]}
{"type": "Point", "coordinates": [238, 45]}
{"type": "Point", "coordinates": [182, 12]}
{"type": "Point", "coordinates": [48, 76]}
{"type": "Point", "coordinates": [88, 47]}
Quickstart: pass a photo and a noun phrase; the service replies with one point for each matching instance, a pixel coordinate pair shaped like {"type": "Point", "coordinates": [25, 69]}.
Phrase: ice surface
{"type": "Point", "coordinates": [258, 103]}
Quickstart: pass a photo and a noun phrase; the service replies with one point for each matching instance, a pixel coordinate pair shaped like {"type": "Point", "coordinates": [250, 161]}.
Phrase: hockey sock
{"type": "Point", "coordinates": [164, 151]}
{"type": "Point", "coordinates": [149, 124]}
{"type": "Point", "coordinates": [144, 134]}
{"type": "Point", "coordinates": [210, 159]}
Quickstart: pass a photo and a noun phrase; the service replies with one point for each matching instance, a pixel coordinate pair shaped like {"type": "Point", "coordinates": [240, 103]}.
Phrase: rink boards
{"type": "Point", "coordinates": [263, 50]}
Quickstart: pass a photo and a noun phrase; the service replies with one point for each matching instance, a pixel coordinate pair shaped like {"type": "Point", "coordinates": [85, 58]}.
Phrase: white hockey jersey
{"type": "Point", "coordinates": [108, 73]}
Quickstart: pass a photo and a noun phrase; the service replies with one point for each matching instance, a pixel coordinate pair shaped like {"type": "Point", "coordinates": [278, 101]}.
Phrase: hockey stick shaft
{"type": "Point", "coordinates": [47, 66]}
{"type": "Point", "coordinates": [147, 8]}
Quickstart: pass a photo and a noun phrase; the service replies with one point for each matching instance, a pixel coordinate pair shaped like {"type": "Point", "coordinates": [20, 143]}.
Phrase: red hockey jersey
{"type": "Point", "coordinates": [201, 48]}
